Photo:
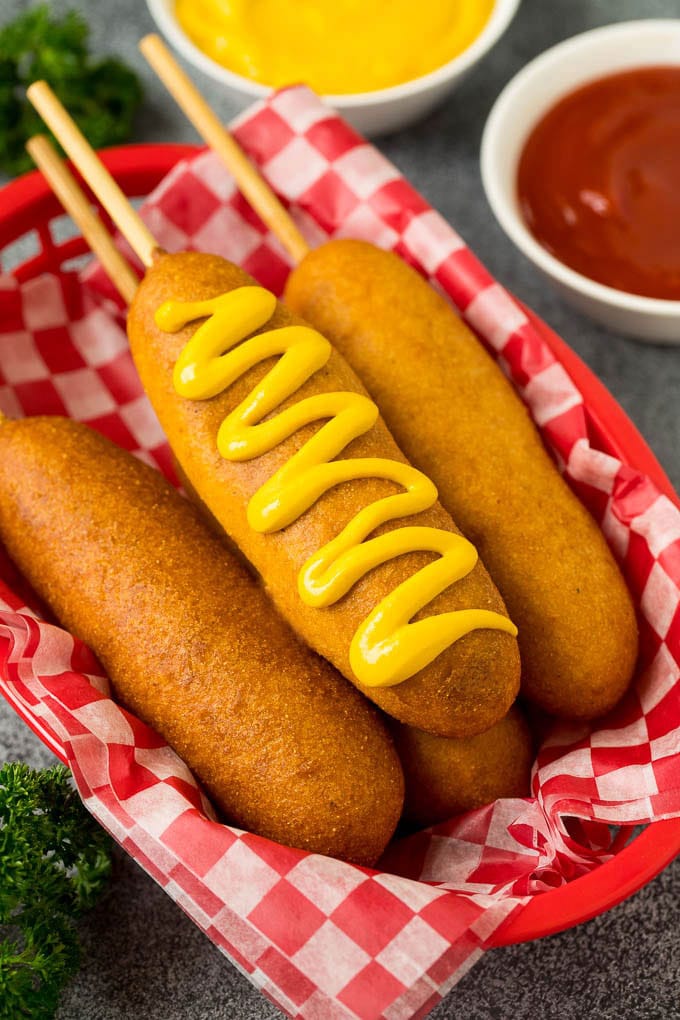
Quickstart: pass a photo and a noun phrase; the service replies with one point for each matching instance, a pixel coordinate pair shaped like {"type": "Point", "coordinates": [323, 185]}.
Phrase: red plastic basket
{"type": "Point", "coordinates": [28, 205]}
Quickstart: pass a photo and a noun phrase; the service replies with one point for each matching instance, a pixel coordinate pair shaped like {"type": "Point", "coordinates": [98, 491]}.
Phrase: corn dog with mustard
{"type": "Point", "coordinates": [279, 440]}
{"type": "Point", "coordinates": [457, 417]}
{"type": "Point", "coordinates": [283, 745]}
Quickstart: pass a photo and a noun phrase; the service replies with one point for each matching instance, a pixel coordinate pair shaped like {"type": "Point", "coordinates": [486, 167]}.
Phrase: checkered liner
{"type": "Point", "coordinates": [322, 938]}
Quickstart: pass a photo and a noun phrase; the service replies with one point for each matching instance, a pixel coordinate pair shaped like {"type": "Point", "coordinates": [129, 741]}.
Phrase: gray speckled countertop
{"type": "Point", "coordinates": [142, 956]}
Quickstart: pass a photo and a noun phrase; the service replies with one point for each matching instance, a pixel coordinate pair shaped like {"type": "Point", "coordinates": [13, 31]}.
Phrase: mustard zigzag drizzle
{"type": "Point", "coordinates": [386, 649]}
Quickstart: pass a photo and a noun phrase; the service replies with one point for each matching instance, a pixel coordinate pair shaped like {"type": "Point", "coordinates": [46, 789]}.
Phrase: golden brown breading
{"type": "Point", "coordinates": [283, 744]}
{"type": "Point", "coordinates": [445, 777]}
{"type": "Point", "coordinates": [457, 417]}
{"type": "Point", "coordinates": [469, 686]}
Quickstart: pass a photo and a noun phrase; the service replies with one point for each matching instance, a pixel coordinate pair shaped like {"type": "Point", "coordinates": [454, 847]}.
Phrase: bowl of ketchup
{"type": "Point", "coordinates": [581, 166]}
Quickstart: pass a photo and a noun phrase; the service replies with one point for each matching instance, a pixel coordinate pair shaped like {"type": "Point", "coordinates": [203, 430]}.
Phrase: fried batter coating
{"type": "Point", "coordinates": [457, 417]}
{"type": "Point", "coordinates": [471, 684]}
{"type": "Point", "coordinates": [284, 746]}
{"type": "Point", "coordinates": [446, 777]}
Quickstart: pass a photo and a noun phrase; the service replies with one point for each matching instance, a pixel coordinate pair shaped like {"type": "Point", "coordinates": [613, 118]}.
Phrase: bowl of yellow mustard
{"type": "Point", "coordinates": [381, 63]}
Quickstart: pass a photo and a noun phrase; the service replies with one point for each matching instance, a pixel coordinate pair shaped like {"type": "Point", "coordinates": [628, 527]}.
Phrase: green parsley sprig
{"type": "Point", "coordinates": [54, 863]}
{"type": "Point", "coordinates": [101, 95]}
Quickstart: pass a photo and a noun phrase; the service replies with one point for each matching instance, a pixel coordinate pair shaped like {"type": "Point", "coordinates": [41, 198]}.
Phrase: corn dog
{"type": "Point", "coordinates": [457, 418]}
{"type": "Point", "coordinates": [283, 744]}
{"type": "Point", "coordinates": [304, 515]}
{"type": "Point", "coordinates": [250, 448]}
{"type": "Point", "coordinates": [446, 777]}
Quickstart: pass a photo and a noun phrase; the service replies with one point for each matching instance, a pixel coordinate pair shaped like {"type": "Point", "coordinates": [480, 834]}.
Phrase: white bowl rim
{"type": "Point", "coordinates": [502, 13]}
{"type": "Point", "coordinates": [509, 217]}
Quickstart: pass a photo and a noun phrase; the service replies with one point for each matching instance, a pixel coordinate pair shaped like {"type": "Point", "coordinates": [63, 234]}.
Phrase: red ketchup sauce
{"type": "Point", "coordinates": [599, 181]}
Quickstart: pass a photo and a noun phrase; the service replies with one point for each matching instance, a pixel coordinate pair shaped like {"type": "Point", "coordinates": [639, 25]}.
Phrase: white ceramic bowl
{"type": "Point", "coordinates": [371, 113]}
{"type": "Point", "coordinates": [522, 103]}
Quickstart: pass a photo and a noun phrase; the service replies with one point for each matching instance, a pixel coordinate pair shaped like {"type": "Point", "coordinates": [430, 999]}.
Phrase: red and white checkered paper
{"type": "Point", "coordinates": [321, 938]}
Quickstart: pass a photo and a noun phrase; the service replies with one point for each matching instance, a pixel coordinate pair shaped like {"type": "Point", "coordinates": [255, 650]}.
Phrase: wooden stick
{"type": "Point", "coordinates": [92, 170]}
{"type": "Point", "coordinates": [210, 128]}
{"type": "Point", "coordinates": [76, 204]}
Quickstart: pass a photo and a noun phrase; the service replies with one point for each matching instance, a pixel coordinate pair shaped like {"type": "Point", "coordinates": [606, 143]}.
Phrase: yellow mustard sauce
{"type": "Point", "coordinates": [334, 46]}
{"type": "Point", "coordinates": [386, 648]}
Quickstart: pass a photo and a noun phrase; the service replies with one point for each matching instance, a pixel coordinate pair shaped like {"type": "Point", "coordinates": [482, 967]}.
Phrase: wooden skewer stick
{"type": "Point", "coordinates": [76, 204]}
{"type": "Point", "coordinates": [210, 128]}
{"type": "Point", "coordinates": [92, 170]}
